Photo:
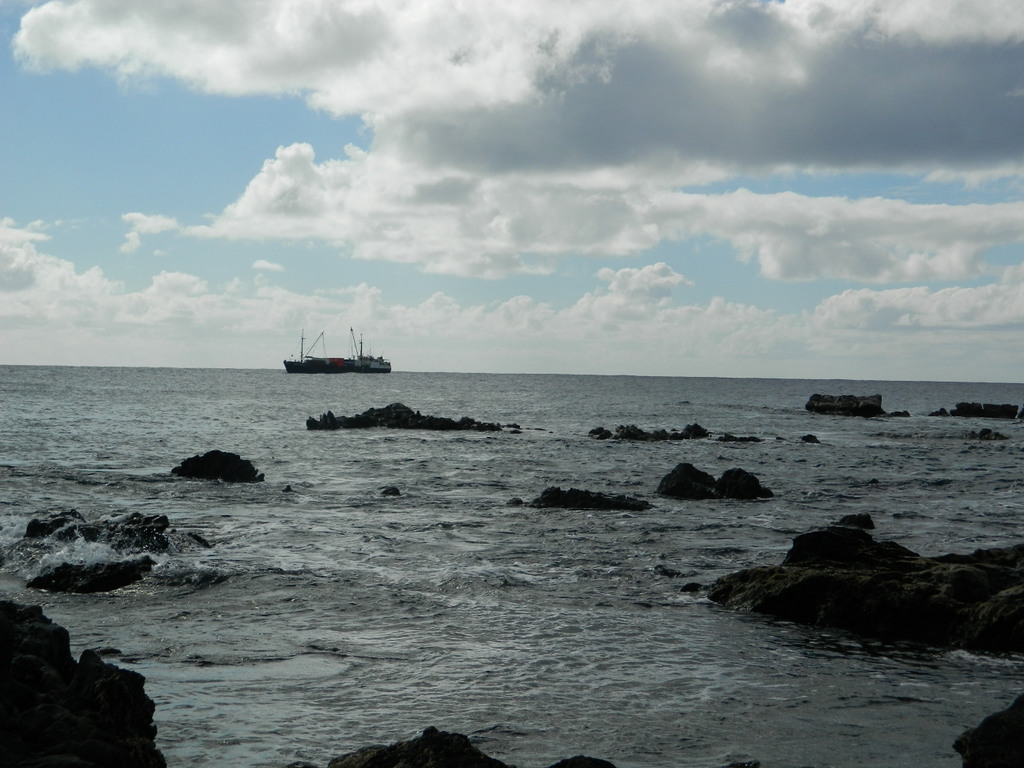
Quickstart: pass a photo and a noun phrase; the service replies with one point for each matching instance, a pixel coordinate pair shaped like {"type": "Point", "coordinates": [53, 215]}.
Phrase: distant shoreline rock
{"type": "Point", "coordinates": [398, 416]}
{"type": "Point", "coordinates": [841, 577]}
{"type": "Point", "coordinates": [633, 432]}
{"type": "Point", "coordinates": [866, 406]}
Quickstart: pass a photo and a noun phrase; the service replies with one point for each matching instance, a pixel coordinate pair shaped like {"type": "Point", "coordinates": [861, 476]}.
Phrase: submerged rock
{"type": "Point", "coordinates": [59, 713]}
{"type": "Point", "coordinates": [685, 481]}
{"type": "Point", "coordinates": [997, 742]}
{"type": "Point", "coordinates": [127, 533]}
{"type": "Point", "coordinates": [841, 577]}
{"type": "Point", "coordinates": [574, 498]}
{"type": "Point", "coordinates": [219, 465]}
{"type": "Point", "coordinates": [440, 749]}
{"type": "Point", "coordinates": [397, 416]}
{"type": "Point", "coordinates": [846, 405]}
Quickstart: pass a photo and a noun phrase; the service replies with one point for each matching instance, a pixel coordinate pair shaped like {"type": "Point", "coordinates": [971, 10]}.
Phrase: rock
{"type": "Point", "coordinates": [439, 749]}
{"type": "Point", "coordinates": [633, 432]}
{"type": "Point", "coordinates": [134, 532]}
{"type": "Point", "coordinates": [685, 481]}
{"type": "Point", "coordinates": [985, 410]}
{"type": "Point", "coordinates": [857, 520]}
{"type": "Point", "coordinates": [433, 749]}
{"type": "Point", "coordinates": [63, 714]}
{"type": "Point", "coordinates": [574, 498]}
{"type": "Point", "coordinates": [810, 439]}
{"type": "Point", "coordinates": [219, 465]}
{"type": "Point", "coordinates": [398, 416]}
{"type": "Point", "coordinates": [390, 490]}
{"type": "Point", "coordinates": [940, 412]}
{"type": "Point", "coordinates": [97, 577]}
{"type": "Point", "coordinates": [997, 742]}
{"type": "Point", "coordinates": [727, 438]}
{"type": "Point", "coordinates": [846, 405]}
{"type": "Point", "coordinates": [841, 577]}
{"type": "Point", "coordinates": [986, 434]}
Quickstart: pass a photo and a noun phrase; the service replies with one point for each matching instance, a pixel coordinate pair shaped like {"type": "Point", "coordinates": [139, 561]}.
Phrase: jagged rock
{"type": "Point", "coordinates": [398, 416]}
{"type": "Point", "coordinates": [97, 577]}
{"type": "Point", "coordinates": [985, 410]}
{"type": "Point", "coordinates": [440, 749]}
{"type": "Point", "coordinates": [685, 481]}
{"type": "Point", "coordinates": [128, 533]}
{"type": "Point", "coordinates": [997, 742]}
{"type": "Point", "coordinates": [841, 577]}
{"type": "Point", "coordinates": [63, 714]}
{"type": "Point", "coordinates": [846, 405]}
{"type": "Point", "coordinates": [219, 465]}
{"type": "Point", "coordinates": [633, 432]}
{"type": "Point", "coordinates": [574, 498]}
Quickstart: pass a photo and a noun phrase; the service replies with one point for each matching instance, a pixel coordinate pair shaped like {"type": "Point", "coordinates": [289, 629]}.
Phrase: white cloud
{"type": "Point", "coordinates": [142, 224]}
{"type": "Point", "coordinates": [267, 266]}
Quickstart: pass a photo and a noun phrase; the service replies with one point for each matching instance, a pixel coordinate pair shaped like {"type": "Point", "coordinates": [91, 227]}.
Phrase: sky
{"type": "Point", "coordinates": [799, 189]}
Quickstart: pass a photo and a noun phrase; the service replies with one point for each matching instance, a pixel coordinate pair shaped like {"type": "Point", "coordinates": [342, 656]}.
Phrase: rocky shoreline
{"type": "Point", "coordinates": [59, 713]}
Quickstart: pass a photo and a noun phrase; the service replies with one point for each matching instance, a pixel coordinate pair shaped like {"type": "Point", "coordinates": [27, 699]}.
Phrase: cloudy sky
{"type": "Point", "coordinates": [809, 188]}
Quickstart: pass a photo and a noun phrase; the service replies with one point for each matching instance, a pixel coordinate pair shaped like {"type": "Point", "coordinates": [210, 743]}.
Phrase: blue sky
{"type": "Point", "coordinates": [812, 188]}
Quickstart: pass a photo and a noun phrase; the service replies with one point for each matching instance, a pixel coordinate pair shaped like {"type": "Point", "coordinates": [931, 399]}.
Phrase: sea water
{"type": "Point", "coordinates": [327, 616]}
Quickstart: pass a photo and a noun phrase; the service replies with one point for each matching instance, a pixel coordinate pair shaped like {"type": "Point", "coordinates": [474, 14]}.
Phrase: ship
{"type": "Point", "coordinates": [308, 362]}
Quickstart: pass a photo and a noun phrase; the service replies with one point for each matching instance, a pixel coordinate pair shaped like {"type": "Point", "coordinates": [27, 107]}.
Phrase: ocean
{"type": "Point", "coordinates": [328, 616]}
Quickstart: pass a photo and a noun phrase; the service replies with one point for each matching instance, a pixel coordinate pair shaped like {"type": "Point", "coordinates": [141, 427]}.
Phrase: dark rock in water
{"type": "Point", "coordinates": [439, 749]}
{"type": "Point", "coordinates": [857, 520]}
{"type": "Point", "coordinates": [433, 749]}
{"type": "Point", "coordinates": [685, 481]}
{"type": "Point", "coordinates": [940, 412]}
{"type": "Point", "coordinates": [985, 410]}
{"type": "Point", "coordinates": [574, 498]}
{"type": "Point", "coordinates": [61, 714]}
{"type": "Point", "coordinates": [986, 434]}
{"type": "Point", "coordinates": [390, 490]}
{"type": "Point", "coordinates": [219, 465]}
{"type": "Point", "coordinates": [100, 577]}
{"type": "Point", "coordinates": [846, 405]}
{"type": "Point", "coordinates": [841, 577]}
{"type": "Point", "coordinates": [633, 432]}
{"type": "Point", "coordinates": [810, 439]}
{"type": "Point", "coordinates": [398, 416]}
{"type": "Point", "coordinates": [737, 483]}
{"type": "Point", "coordinates": [126, 533]}
{"type": "Point", "coordinates": [727, 438]}
{"type": "Point", "coordinates": [899, 414]}
{"type": "Point", "coordinates": [997, 742]}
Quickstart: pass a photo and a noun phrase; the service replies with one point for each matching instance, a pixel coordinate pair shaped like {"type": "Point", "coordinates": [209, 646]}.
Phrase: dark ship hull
{"type": "Point", "coordinates": [358, 363]}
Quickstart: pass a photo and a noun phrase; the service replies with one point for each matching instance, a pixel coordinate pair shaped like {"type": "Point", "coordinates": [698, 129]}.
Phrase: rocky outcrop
{"type": "Point", "coordinates": [134, 532]}
{"type": "Point", "coordinates": [986, 434]}
{"type": "Point", "coordinates": [440, 749]}
{"type": "Point", "coordinates": [93, 577]}
{"type": "Point", "coordinates": [685, 481]}
{"type": "Point", "coordinates": [219, 465]}
{"type": "Point", "coordinates": [841, 577]}
{"type": "Point", "coordinates": [574, 498]}
{"type": "Point", "coordinates": [398, 416]}
{"type": "Point", "coordinates": [58, 713]}
{"type": "Point", "coordinates": [846, 405]}
{"type": "Point", "coordinates": [985, 410]}
{"type": "Point", "coordinates": [997, 742]}
{"type": "Point", "coordinates": [633, 432]}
